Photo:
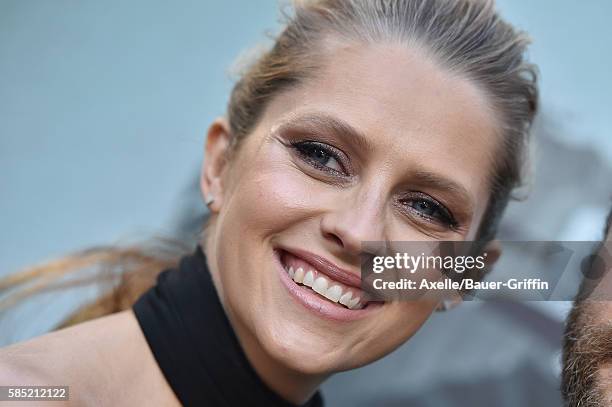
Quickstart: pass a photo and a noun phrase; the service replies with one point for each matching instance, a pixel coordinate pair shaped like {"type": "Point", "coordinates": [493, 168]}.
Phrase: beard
{"type": "Point", "coordinates": [587, 352]}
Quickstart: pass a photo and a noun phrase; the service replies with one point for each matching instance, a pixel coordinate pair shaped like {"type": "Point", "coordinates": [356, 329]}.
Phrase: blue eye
{"type": "Point", "coordinates": [426, 208]}
{"type": "Point", "coordinates": [431, 210]}
{"type": "Point", "coordinates": [319, 156]}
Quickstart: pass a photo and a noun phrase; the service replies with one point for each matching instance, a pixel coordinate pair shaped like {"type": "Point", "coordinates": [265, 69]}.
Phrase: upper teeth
{"type": "Point", "coordinates": [309, 279]}
{"type": "Point", "coordinates": [325, 287]}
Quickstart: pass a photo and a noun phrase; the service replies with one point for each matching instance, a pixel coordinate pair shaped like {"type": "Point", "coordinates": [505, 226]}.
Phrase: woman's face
{"type": "Point", "coordinates": [383, 145]}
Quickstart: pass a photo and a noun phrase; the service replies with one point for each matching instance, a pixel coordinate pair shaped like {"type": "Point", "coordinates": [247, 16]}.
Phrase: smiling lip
{"type": "Point", "coordinates": [316, 303]}
{"type": "Point", "coordinates": [327, 267]}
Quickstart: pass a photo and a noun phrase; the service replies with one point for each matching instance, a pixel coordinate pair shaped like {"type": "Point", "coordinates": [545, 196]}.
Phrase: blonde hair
{"type": "Point", "coordinates": [464, 36]}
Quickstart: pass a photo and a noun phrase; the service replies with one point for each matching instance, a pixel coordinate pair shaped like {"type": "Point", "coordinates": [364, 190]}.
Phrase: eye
{"type": "Point", "coordinates": [320, 156]}
{"type": "Point", "coordinates": [430, 209]}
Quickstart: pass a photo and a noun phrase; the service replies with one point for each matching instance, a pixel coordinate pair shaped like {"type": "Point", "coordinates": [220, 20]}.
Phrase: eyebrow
{"type": "Point", "coordinates": [436, 181]}
{"type": "Point", "coordinates": [315, 121]}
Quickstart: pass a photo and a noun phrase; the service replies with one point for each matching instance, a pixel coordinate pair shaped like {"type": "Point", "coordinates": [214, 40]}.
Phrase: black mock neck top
{"type": "Point", "coordinates": [194, 344]}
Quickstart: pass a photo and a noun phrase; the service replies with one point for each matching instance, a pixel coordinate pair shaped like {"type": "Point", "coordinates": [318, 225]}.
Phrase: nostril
{"type": "Point", "coordinates": [333, 237]}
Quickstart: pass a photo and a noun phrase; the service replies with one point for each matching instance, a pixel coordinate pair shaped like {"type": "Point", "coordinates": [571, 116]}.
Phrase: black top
{"type": "Point", "coordinates": [194, 344]}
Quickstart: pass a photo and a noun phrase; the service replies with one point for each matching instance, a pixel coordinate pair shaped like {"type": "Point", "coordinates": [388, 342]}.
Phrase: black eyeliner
{"type": "Point", "coordinates": [298, 146]}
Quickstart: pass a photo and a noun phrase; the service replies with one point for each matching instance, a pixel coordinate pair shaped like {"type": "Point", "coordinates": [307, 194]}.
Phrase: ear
{"type": "Point", "coordinates": [214, 163]}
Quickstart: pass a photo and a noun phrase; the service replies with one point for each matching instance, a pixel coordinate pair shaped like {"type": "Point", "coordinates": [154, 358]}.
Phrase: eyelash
{"type": "Point", "coordinates": [445, 216]}
{"type": "Point", "coordinates": [306, 148]}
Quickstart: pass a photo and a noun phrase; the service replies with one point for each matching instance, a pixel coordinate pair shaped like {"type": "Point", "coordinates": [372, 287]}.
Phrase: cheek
{"type": "Point", "coordinates": [266, 197]}
{"type": "Point", "coordinates": [271, 193]}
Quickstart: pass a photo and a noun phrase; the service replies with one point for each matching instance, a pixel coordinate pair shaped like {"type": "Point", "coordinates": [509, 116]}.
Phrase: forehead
{"type": "Point", "coordinates": [413, 110]}
{"type": "Point", "coordinates": [405, 90]}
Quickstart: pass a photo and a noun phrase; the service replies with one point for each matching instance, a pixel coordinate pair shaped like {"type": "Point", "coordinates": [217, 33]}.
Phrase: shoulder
{"type": "Point", "coordinates": [67, 357]}
{"type": "Point", "coordinates": [59, 352]}
{"type": "Point", "coordinates": [18, 368]}
{"type": "Point", "coordinates": [96, 359]}
{"type": "Point", "coordinates": [27, 363]}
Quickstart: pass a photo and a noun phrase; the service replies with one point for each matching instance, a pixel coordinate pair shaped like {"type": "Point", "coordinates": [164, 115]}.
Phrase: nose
{"type": "Point", "coordinates": [355, 219]}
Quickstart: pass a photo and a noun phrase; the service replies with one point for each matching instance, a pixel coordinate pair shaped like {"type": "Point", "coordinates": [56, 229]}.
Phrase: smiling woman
{"type": "Point", "coordinates": [370, 120]}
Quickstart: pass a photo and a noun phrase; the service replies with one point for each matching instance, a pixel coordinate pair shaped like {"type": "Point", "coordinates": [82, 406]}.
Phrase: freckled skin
{"type": "Point", "coordinates": [415, 114]}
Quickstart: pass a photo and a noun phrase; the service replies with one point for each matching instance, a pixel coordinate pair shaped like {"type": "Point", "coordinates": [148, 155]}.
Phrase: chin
{"type": "Point", "coordinates": [308, 355]}
{"type": "Point", "coordinates": [311, 346]}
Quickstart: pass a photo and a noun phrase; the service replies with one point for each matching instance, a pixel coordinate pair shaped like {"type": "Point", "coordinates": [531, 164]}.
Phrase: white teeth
{"type": "Point", "coordinates": [298, 277]}
{"type": "Point", "coordinates": [333, 293]}
{"type": "Point", "coordinates": [346, 297]}
{"type": "Point", "coordinates": [308, 279]}
{"type": "Point", "coordinates": [320, 285]}
{"type": "Point", "coordinates": [354, 303]}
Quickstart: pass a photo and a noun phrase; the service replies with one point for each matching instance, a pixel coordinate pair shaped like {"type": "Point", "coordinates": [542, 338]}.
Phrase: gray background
{"type": "Point", "coordinates": [103, 110]}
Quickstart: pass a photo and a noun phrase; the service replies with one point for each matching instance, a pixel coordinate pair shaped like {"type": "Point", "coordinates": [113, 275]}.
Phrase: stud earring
{"type": "Point", "coordinates": [209, 200]}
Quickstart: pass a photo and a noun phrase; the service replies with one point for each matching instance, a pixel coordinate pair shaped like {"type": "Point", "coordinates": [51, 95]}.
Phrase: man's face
{"type": "Point", "coordinates": [587, 352]}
